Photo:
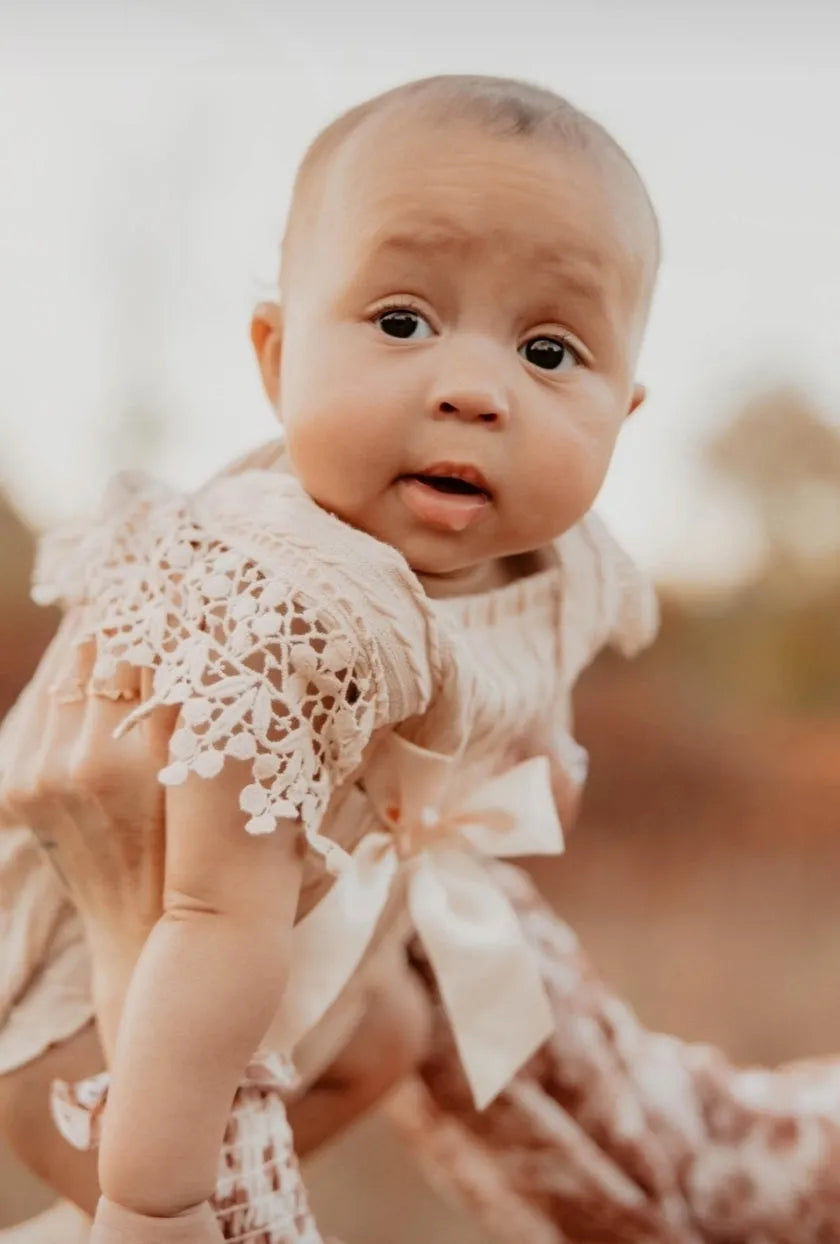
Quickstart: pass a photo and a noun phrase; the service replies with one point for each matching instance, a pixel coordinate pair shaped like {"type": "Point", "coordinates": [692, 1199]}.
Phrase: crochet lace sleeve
{"type": "Point", "coordinates": [272, 656]}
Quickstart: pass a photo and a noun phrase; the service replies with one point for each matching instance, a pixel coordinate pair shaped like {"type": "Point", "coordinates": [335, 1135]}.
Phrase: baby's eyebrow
{"type": "Point", "coordinates": [430, 236]}
{"type": "Point", "coordinates": [575, 274]}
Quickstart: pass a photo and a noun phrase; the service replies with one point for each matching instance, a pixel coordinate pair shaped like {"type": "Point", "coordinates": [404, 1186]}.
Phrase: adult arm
{"type": "Point", "coordinates": [26, 1124]}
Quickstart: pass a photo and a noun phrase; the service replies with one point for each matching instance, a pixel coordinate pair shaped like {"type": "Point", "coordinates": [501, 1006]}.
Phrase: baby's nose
{"type": "Point", "coordinates": [472, 403]}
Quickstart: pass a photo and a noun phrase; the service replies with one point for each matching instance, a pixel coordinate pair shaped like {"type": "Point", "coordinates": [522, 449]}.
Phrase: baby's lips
{"type": "Point", "coordinates": [446, 511]}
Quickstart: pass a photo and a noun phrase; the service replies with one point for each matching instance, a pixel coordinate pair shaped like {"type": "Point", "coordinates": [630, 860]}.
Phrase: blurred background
{"type": "Point", "coordinates": [148, 151]}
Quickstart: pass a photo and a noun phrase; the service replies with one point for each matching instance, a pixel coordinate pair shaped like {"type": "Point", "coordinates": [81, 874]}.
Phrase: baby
{"type": "Point", "coordinates": [372, 633]}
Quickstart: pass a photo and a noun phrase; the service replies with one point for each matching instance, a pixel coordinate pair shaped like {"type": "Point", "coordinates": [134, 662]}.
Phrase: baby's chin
{"type": "Point", "coordinates": [448, 558]}
{"type": "Point", "coordinates": [445, 568]}
{"type": "Point", "coordinates": [428, 551]}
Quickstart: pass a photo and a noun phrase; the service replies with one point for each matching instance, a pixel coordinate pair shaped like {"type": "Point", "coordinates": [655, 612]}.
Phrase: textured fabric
{"type": "Point", "coordinates": [45, 991]}
{"type": "Point", "coordinates": [289, 638]}
{"type": "Point", "coordinates": [260, 1196]}
{"type": "Point", "coordinates": [433, 851]}
{"type": "Point", "coordinates": [296, 643]}
{"type": "Point", "coordinates": [305, 681]}
{"type": "Point", "coordinates": [285, 642]}
{"type": "Point", "coordinates": [623, 1136]}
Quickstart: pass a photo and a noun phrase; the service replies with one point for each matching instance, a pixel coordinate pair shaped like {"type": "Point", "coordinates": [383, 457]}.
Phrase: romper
{"type": "Point", "coordinates": [411, 737]}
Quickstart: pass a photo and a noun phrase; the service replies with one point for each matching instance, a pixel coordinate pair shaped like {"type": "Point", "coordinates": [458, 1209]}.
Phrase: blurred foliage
{"type": "Point", "coordinates": [783, 455]}
{"type": "Point", "coordinates": [773, 643]}
{"type": "Point", "coordinates": [754, 650]}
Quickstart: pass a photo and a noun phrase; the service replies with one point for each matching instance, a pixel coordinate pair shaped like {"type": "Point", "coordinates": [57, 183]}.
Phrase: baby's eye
{"type": "Point", "coordinates": [404, 323]}
{"type": "Point", "coordinates": [550, 353]}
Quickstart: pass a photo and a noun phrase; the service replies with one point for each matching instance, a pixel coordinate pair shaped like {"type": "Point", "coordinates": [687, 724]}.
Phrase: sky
{"type": "Point", "coordinates": [147, 153]}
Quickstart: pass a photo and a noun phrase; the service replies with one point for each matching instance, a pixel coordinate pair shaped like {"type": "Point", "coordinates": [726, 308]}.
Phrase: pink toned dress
{"type": "Point", "coordinates": [608, 1133]}
{"type": "Point", "coordinates": [414, 739]}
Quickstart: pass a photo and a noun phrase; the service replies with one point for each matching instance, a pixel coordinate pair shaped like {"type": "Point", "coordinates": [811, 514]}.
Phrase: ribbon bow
{"type": "Point", "coordinates": [433, 846]}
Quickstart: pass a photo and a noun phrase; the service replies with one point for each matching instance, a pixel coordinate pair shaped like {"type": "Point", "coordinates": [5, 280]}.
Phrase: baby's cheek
{"type": "Point", "coordinates": [562, 482]}
{"type": "Point", "coordinates": [589, 457]}
{"type": "Point", "coordinates": [338, 451]}
{"type": "Point", "coordinates": [557, 504]}
{"type": "Point", "coordinates": [315, 439]}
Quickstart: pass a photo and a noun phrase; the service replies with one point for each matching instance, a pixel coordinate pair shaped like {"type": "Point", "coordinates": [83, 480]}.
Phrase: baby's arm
{"type": "Point", "coordinates": [206, 987]}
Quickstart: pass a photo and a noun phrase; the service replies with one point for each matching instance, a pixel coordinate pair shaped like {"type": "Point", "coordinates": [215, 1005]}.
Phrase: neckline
{"type": "Point", "coordinates": [511, 598]}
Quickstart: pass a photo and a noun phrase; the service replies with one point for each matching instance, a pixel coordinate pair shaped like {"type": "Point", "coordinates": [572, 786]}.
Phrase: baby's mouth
{"type": "Point", "coordinates": [460, 479]}
{"type": "Point", "coordinates": [450, 502]}
{"type": "Point", "coordinates": [451, 484]}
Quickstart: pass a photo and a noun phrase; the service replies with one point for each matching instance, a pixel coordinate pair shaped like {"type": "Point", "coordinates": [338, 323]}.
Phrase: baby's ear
{"type": "Point", "coordinates": [267, 340]}
{"type": "Point", "coordinates": [639, 395]}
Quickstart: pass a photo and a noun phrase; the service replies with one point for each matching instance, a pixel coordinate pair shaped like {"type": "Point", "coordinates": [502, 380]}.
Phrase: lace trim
{"type": "Point", "coordinates": [266, 668]}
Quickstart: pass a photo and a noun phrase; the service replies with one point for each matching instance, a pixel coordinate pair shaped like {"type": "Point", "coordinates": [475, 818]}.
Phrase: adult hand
{"type": "Point", "coordinates": [93, 801]}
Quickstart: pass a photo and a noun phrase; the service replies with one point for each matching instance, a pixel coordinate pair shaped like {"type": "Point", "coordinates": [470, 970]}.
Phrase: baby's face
{"type": "Point", "coordinates": [459, 339]}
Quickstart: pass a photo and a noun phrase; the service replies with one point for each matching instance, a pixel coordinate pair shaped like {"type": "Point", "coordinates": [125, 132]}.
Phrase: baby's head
{"type": "Point", "coordinates": [466, 276]}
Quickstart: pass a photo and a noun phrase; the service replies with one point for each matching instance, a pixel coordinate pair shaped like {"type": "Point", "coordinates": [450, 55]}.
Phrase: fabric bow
{"type": "Point", "coordinates": [431, 854]}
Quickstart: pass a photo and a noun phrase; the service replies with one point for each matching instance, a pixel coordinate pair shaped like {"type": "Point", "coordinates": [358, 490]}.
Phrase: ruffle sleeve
{"type": "Point", "coordinates": [286, 637]}
{"type": "Point", "coordinates": [607, 600]}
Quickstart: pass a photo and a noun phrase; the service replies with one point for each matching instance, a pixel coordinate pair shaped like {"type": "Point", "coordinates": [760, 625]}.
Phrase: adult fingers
{"type": "Point", "coordinates": [121, 687]}
{"type": "Point", "coordinates": [32, 740]}
{"type": "Point", "coordinates": [70, 659]}
{"type": "Point", "coordinates": [62, 702]}
{"type": "Point", "coordinates": [109, 701]}
{"type": "Point", "coordinates": [41, 775]}
{"type": "Point", "coordinates": [159, 725]}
